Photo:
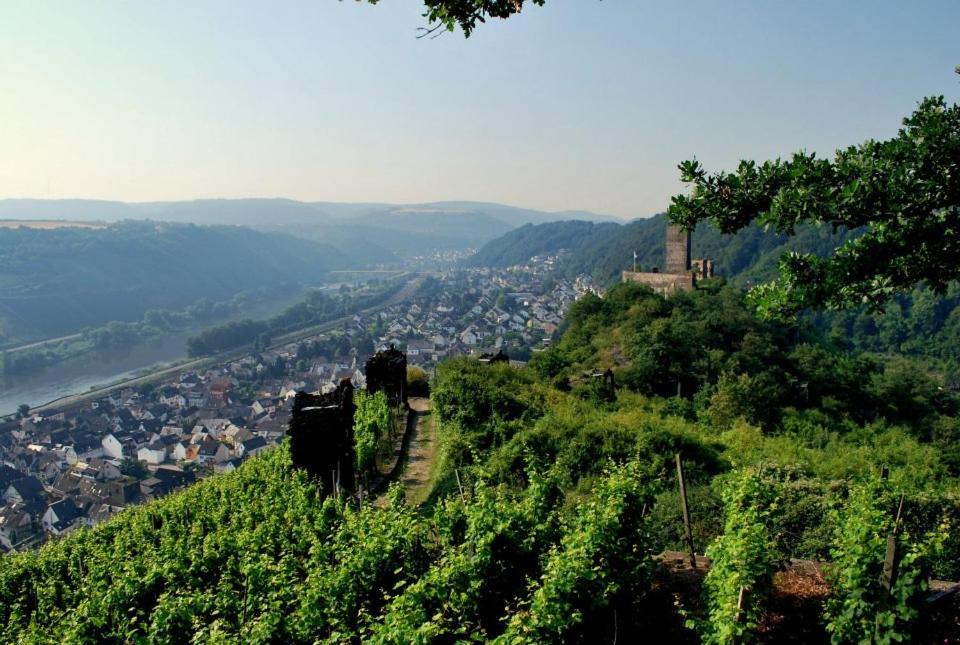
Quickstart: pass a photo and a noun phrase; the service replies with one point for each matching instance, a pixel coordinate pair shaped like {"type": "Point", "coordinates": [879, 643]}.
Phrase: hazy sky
{"type": "Point", "coordinates": [579, 104]}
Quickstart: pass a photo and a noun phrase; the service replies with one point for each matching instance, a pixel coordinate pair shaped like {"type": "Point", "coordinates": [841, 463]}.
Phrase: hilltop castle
{"type": "Point", "coordinates": [681, 274]}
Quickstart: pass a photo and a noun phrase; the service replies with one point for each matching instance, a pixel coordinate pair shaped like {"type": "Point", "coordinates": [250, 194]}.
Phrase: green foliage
{"type": "Point", "coordinates": [228, 336]}
{"type": "Point", "coordinates": [736, 366]}
{"type": "Point", "coordinates": [485, 403]}
{"type": "Point", "coordinates": [222, 559]}
{"type": "Point", "coordinates": [905, 192]}
{"type": "Point", "coordinates": [315, 309]}
{"type": "Point", "coordinates": [350, 579]}
{"type": "Point", "coordinates": [859, 609]}
{"type": "Point", "coordinates": [418, 383]}
{"type": "Point", "coordinates": [134, 468]}
{"type": "Point", "coordinates": [448, 14]}
{"type": "Point", "coordinates": [743, 560]}
{"type": "Point", "coordinates": [603, 564]}
{"type": "Point", "coordinates": [492, 544]}
{"type": "Point", "coordinates": [257, 556]}
{"type": "Point", "coordinates": [371, 422]}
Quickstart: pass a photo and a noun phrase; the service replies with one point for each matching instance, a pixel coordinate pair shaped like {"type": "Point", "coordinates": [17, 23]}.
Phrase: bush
{"type": "Point", "coordinates": [860, 607]}
{"type": "Point", "coordinates": [418, 384]}
{"type": "Point", "coordinates": [743, 560]}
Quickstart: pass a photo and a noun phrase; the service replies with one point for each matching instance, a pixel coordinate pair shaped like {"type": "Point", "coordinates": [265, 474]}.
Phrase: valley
{"type": "Point", "coordinates": [514, 322]}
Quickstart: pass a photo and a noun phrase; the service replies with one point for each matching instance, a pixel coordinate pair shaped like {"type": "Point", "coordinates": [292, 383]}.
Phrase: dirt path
{"type": "Point", "coordinates": [418, 469]}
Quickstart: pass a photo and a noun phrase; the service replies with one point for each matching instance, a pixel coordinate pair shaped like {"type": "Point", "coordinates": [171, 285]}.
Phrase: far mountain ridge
{"type": "Point", "coordinates": [375, 232]}
{"type": "Point", "coordinates": [238, 210]}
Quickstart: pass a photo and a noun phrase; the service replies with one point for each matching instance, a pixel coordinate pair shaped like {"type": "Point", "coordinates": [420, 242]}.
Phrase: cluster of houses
{"type": "Point", "coordinates": [74, 468]}
{"type": "Point", "coordinates": [62, 471]}
{"type": "Point", "coordinates": [515, 310]}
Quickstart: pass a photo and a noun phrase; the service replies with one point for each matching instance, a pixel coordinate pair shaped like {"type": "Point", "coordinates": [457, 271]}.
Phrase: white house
{"type": "Point", "coordinates": [24, 490]}
{"type": "Point", "coordinates": [251, 447]}
{"type": "Point", "coordinates": [213, 452]}
{"type": "Point", "coordinates": [16, 525]}
{"type": "Point", "coordinates": [235, 434]}
{"type": "Point", "coordinates": [61, 516]}
{"type": "Point", "coordinates": [155, 453]}
{"type": "Point", "coordinates": [227, 466]}
{"type": "Point", "coordinates": [176, 400]}
{"type": "Point", "coordinates": [112, 447]}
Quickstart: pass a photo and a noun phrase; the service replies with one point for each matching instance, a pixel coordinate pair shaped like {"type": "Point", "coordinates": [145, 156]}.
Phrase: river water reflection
{"type": "Point", "coordinates": [79, 374]}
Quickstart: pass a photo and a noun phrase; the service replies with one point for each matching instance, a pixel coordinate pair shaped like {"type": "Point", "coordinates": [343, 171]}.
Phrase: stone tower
{"type": "Point", "coordinates": [678, 250]}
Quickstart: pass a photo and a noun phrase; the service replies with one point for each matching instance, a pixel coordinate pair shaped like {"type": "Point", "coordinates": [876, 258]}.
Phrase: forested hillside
{"type": "Point", "coordinates": [519, 245]}
{"type": "Point", "coordinates": [915, 323]}
{"type": "Point", "coordinates": [604, 250]}
{"type": "Point", "coordinates": [55, 282]}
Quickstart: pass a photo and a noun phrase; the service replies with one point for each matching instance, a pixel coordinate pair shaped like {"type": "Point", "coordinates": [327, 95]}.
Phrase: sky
{"type": "Point", "coordinates": [579, 104]}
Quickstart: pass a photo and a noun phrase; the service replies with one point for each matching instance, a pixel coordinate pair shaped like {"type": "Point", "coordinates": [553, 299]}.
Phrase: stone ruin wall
{"type": "Point", "coordinates": [663, 283]}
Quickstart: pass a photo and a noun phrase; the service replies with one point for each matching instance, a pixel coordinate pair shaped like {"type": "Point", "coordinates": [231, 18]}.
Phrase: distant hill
{"type": "Point", "coordinates": [374, 233]}
{"type": "Point", "coordinates": [69, 209]}
{"type": "Point", "coordinates": [519, 245]}
{"type": "Point", "coordinates": [604, 250]}
{"type": "Point", "coordinates": [58, 281]}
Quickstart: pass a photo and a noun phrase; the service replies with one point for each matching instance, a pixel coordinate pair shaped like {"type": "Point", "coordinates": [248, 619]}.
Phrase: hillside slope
{"type": "Point", "coordinates": [604, 250]}
{"type": "Point", "coordinates": [54, 282]}
{"type": "Point", "coordinates": [916, 323]}
{"type": "Point", "coordinates": [750, 255]}
{"type": "Point", "coordinates": [552, 495]}
{"type": "Point", "coordinates": [520, 244]}
{"type": "Point", "coordinates": [373, 233]}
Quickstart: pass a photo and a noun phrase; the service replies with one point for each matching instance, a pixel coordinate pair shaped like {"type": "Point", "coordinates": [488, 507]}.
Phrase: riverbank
{"type": "Point", "coordinates": [102, 367]}
{"type": "Point", "coordinates": [71, 401]}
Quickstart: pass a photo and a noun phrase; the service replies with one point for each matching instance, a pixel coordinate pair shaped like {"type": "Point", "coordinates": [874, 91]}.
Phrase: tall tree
{"type": "Point", "coordinates": [903, 193]}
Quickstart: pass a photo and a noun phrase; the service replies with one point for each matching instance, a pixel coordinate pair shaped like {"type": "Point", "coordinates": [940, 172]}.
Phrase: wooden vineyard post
{"type": "Point", "coordinates": [890, 563]}
{"type": "Point", "coordinates": [686, 513]}
{"type": "Point", "coordinates": [459, 485]}
{"type": "Point", "coordinates": [741, 604]}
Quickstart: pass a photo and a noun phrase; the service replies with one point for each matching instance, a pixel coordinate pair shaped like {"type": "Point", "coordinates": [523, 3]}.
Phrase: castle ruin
{"type": "Point", "coordinates": [680, 273]}
{"type": "Point", "coordinates": [321, 437]}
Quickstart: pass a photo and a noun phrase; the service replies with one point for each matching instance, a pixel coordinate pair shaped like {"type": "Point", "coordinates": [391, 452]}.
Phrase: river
{"type": "Point", "coordinates": [79, 374]}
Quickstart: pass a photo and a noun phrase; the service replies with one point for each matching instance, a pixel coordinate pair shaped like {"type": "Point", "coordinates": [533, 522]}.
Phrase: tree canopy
{"type": "Point", "coordinates": [904, 193]}
{"type": "Point", "coordinates": [448, 14]}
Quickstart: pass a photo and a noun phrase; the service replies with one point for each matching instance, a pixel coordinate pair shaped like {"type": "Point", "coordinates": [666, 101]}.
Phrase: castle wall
{"type": "Point", "coordinates": [664, 283]}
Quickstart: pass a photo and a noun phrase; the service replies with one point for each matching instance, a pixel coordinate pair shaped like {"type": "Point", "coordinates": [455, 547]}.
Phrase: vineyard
{"type": "Point", "coordinates": [550, 502]}
{"type": "Point", "coordinates": [257, 556]}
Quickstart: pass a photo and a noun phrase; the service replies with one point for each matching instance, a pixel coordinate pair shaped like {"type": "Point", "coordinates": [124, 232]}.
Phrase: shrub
{"type": "Point", "coordinates": [860, 608]}
{"type": "Point", "coordinates": [744, 560]}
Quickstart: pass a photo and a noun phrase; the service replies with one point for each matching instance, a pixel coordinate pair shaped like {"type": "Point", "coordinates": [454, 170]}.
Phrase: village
{"type": "Point", "coordinates": [63, 470]}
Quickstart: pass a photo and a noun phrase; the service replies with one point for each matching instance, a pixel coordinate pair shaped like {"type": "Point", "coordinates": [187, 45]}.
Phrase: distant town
{"type": "Point", "coordinates": [65, 469]}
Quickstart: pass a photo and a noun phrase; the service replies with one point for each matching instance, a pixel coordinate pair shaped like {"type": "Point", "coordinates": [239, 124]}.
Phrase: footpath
{"type": "Point", "coordinates": [413, 455]}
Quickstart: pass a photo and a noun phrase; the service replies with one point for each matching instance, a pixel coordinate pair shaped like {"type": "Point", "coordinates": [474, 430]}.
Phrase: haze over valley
{"type": "Point", "coordinates": [486, 321]}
